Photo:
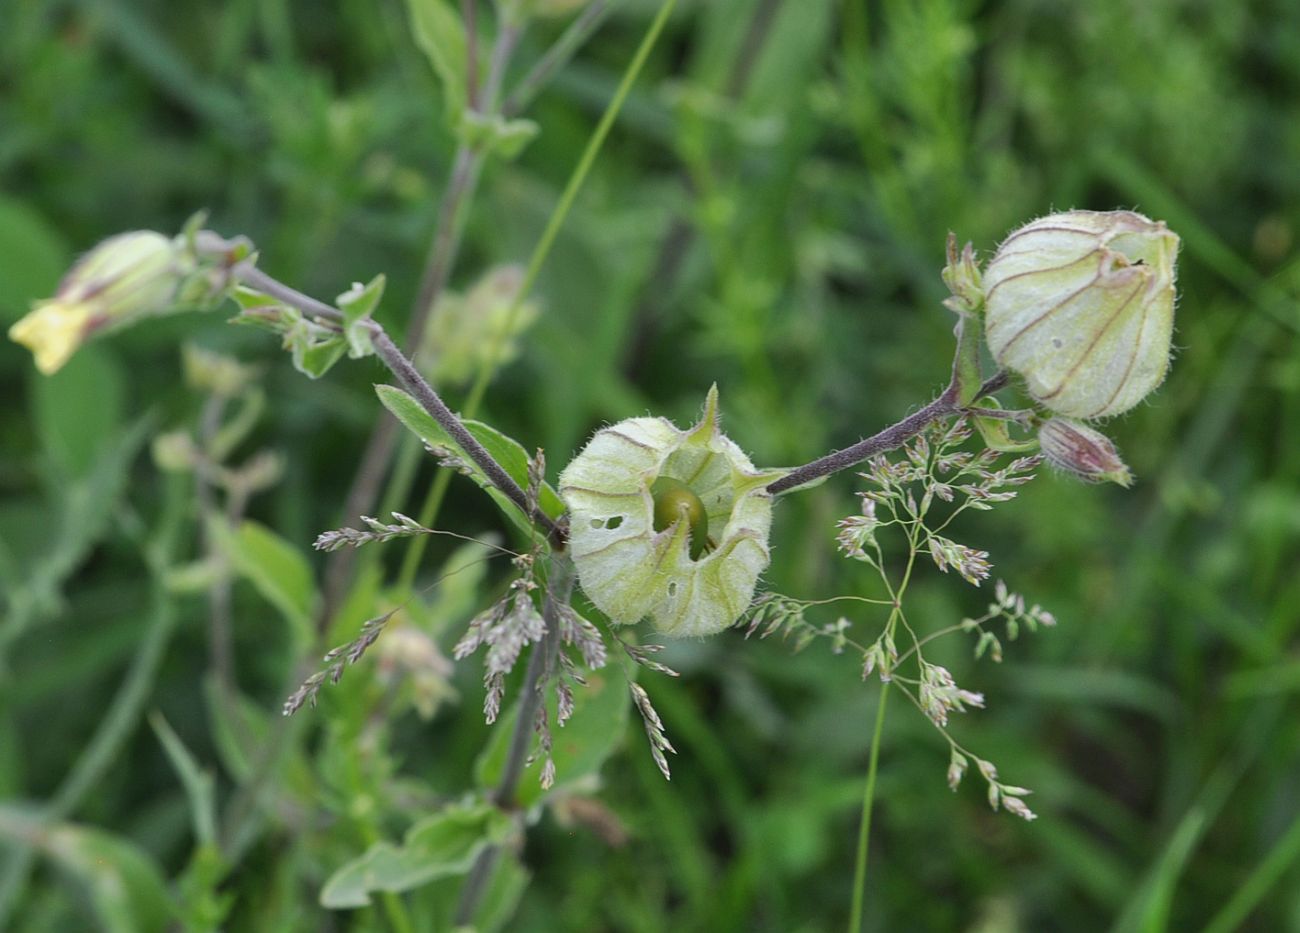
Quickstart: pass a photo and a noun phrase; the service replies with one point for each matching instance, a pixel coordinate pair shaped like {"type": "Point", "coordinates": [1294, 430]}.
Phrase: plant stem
{"type": "Point", "coordinates": [544, 244]}
{"type": "Point", "coordinates": [378, 453]}
{"type": "Point", "coordinates": [559, 587]}
{"type": "Point", "coordinates": [947, 403]}
{"type": "Point", "coordinates": [556, 57]}
{"type": "Point", "coordinates": [467, 166]}
{"type": "Point", "coordinates": [461, 186]}
{"type": "Point", "coordinates": [541, 663]}
{"type": "Point", "coordinates": [431, 402]}
{"type": "Point", "coordinates": [570, 194]}
{"type": "Point", "coordinates": [864, 829]}
{"type": "Point", "coordinates": [434, 499]}
{"type": "Point", "coordinates": [468, 13]}
{"type": "Point", "coordinates": [415, 384]}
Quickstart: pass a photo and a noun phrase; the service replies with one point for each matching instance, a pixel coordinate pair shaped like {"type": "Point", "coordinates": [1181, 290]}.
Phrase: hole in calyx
{"type": "Point", "coordinates": [672, 588]}
{"type": "Point", "coordinates": [610, 523]}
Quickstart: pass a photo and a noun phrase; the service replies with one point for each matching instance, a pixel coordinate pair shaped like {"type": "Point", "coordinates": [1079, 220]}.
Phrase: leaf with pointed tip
{"type": "Point", "coordinates": [446, 843]}
{"type": "Point", "coordinates": [505, 450]}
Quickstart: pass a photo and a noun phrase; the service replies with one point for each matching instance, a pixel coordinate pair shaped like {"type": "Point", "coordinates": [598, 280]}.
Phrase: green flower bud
{"type": "Point", "coordinates": [1083, 451]}
{"type": "Point", "coordinates": [668, 524]}
{"type": "Point", "coordinates": [210, 372]}
{"type": "Point", "coordinates": [480, 327]}
{"type": "Point", "coordinates": [175, 452]}
{"type": "Point", "coordinates": [124, 278]}
{"type": "Point", "coordinates": [962, 276]}
{"type": "Point", "coordinates": [1081, 304]}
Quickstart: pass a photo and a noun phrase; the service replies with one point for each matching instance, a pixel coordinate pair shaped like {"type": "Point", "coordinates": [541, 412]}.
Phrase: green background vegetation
{"type": "Point", "coordinates": [769, 215]}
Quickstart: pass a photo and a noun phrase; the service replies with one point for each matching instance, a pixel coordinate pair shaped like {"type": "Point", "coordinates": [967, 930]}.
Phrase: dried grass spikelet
{"type": "Point", "coordinates": [632, 569]}
{"type": "Point", "coordinates": [1081, 304]}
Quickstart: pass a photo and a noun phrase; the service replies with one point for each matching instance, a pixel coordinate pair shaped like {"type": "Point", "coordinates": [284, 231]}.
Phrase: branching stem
{"type": "Point", "coordinates": [415, 384]}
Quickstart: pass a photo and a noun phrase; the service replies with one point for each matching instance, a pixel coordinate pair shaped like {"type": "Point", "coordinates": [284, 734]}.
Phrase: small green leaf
{"type": "Point", "coordinates": [440, 34]}
{"type": "Point", "coordinates": [277, 569]}
{"type": "Point", "coordinates": [315, 348]}
{"type": "Point", "coordinates": [446, 843]}
{"type": "Point", "coordinates": [494, 133]}
{"type": "Point", "coordinates": [314, 352]}
{"type": "Point", "coordinates": [996, 432]}
{"type": "Point", "coordinates": [505, 450]}
{"type": "Point", "coordinates": [581, 745]}
{"type": "Point", "coordinates": [250, 299]}
{"type": "Point", "coordinates": [358, 304]}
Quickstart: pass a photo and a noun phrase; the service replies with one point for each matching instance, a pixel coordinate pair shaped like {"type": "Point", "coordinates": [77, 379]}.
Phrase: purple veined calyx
{"type": "Point", "coordinates": [1081, 305]}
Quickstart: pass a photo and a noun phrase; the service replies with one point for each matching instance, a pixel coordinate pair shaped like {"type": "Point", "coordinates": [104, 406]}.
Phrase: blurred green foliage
{"type": "Point", "coordinates": [769, 214]}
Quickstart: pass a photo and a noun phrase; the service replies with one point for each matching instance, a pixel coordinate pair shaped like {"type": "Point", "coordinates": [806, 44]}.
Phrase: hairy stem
{"type": "Point", "coordinates": [467, 166]}
{"type": "Point", "coordinates": [947, 403]}
{"type": "Point", "coordinates": [431, 402]}
{"type": "Point", "coordinates": [416, 385]}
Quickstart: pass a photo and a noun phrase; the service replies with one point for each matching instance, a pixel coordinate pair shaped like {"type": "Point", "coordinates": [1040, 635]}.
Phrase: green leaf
{"type": "Point", "coordinates": [33, 257]}
{"type": "Point", "coordinates": [494, 133]}
{"type": "Point", "coordinates": [314, 348]}
{"type": "Point", "coordinates": [277, 569]}
{"type": "Point", "coordinates": [358, 304]}
{"type": "Point", "coordinates": [996, 432]}
{"type": "Point", "coordinates": [313, 354]}
{"type": "Point", "coordinates": [250, 299]}
{"type": "Point", "coordinates": [446, 843]}
{"type": "Point", "coordinates": [581, 745]}
{"type": "Point", "coordinates": [78, 410]}
{"type": "Point", "coordinates": [501, 897]}
{"type": "Point", "coordinates": [127, 888]}
{"type": "Point", "coordinates": [440, 34]}
{"type": "Point", "coordinates": [505, 450]}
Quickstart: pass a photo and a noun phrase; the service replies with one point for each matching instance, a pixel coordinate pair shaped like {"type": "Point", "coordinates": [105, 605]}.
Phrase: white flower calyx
{"type": "Point", "coordinates": [668, 524]}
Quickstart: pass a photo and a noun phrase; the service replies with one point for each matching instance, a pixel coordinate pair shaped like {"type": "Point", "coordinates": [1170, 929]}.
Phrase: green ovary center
{"type": "Point", "coordinates": [675, 501]}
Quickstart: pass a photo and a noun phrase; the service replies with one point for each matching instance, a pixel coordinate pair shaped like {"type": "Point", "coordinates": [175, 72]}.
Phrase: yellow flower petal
{"type": "Point", "coordinates": [53, 331]}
